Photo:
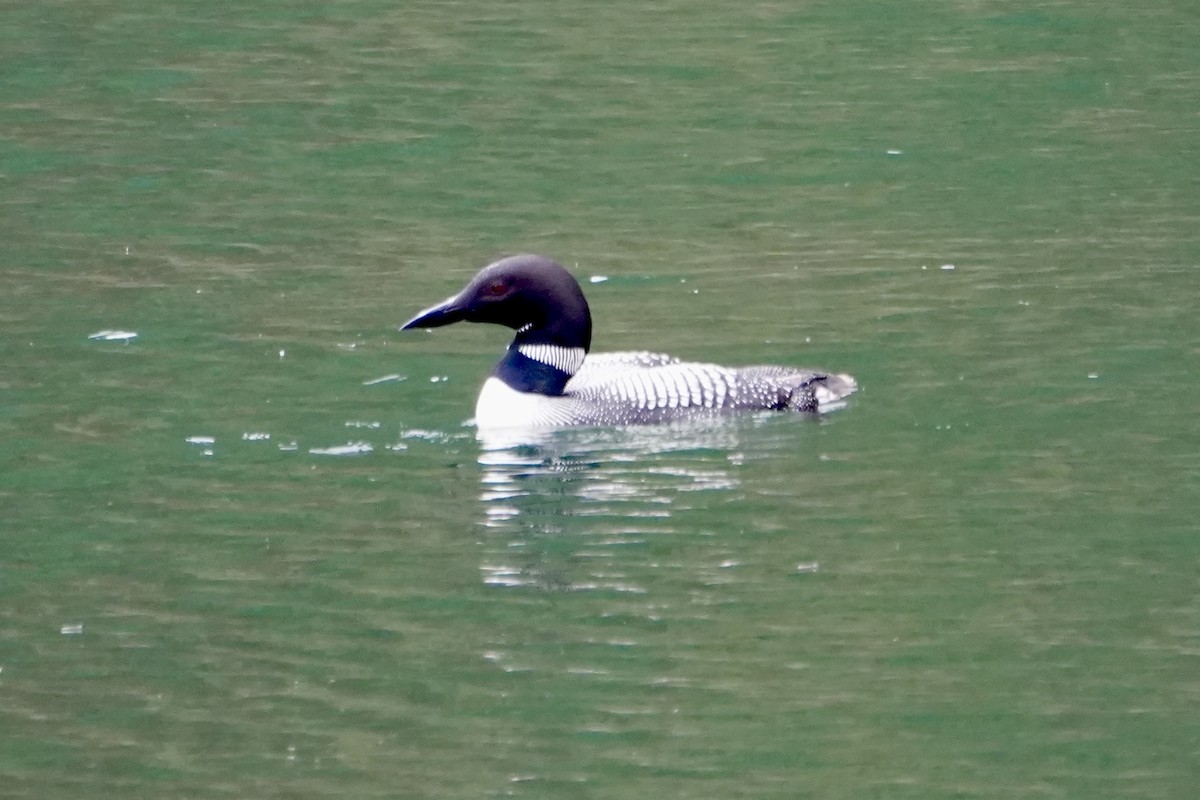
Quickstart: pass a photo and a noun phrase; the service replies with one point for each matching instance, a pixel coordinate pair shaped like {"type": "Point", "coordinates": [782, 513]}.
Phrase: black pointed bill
{"type": "Point", "coordinates": [444, 313]}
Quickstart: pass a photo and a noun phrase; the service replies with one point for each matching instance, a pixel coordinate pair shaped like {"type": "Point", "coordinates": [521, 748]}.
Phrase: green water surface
{"type": "Point", "coordinates": [980, 580]}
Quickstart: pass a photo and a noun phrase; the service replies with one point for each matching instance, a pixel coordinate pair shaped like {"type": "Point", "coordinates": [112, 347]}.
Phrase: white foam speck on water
{"type": "Point", "coordinates": [427, 435]}
{"type": "Point", "coordinates": [347, 449]}
{"type": "Point", "coordinates": [201, 440]}
{"type": "Point", "coordinates": [113, 336]}
{"type": "Point", "coordinates": [397, 377]}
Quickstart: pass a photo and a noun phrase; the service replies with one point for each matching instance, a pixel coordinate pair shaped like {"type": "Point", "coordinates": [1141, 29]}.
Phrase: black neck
{"type": "Point", "coordinates": [526, 374]}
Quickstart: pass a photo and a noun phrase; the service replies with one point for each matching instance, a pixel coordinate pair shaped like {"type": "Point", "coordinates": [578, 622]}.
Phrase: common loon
{"type": "Point", "coordinates": [547, 377]}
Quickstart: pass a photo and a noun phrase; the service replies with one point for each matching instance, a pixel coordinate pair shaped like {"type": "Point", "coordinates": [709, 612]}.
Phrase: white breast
{"type": "Point", "coordinates": [501, 406]}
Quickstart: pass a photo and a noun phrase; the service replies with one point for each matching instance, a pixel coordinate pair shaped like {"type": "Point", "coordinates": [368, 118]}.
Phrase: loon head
{"type": "Point", "coordinates": [531, 294]}
{"type": "Point", "coordinates": [538, 299]}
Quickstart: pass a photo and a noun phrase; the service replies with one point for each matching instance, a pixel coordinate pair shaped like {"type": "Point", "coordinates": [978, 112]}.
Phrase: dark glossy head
{"type": "Point", "coordinates": [531, 294]}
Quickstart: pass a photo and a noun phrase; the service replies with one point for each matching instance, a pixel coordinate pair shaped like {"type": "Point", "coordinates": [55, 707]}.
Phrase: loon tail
{"type": "Point", "coordinates": [782, 388]}
{"type": "Point", "coordinates": [831, 391]}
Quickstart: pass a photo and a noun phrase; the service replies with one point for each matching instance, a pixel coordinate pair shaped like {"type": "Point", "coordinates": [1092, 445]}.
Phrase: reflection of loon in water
{"type": "Point", "coordinates": [562, 508]}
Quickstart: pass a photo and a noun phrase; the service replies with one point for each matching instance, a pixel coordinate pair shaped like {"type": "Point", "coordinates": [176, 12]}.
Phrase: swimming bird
{"type": "Point", "coordinates": [548, 377]}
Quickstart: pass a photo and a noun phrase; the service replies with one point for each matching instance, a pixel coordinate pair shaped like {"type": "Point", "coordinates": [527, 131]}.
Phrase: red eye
{"type": "Point", "coordinates": [496, 289]}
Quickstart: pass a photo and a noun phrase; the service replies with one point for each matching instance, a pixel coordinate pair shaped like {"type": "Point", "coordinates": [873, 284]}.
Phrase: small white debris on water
{"type": "Point", "coordinates": [895, 152]}
{"type": "Point", "coordinates": [948, 267]}
{"type": "Point", "coordinates": [395, 376]}
{"type": "Point", "coordinates": [598, 278]}
{"type": "Point", "coordinates": [113, 336]}
{"type": "Point", "coordinates": [728, 563]}
{"type": "Point", "coordinates": [347, 449]}
{"type": "Point", "coordinates": [397, 447]}
{"type": "Point", "coordinates": [282, 354]}
{"type": "Point", "coordinates": [807, 567]}
{"type": "Point", "coordinates": [354, 423]}
{"type": "Point", "coordinates": [439, 378]}
{"type": "Point", "coordinates": [427, 435]}
{"type": "Point", "coordinates": [1022, 302]}
{"type": "Point", "coordinates": [201, 440]}
{"type": "Point", "coordinates": [255, 437]}
{"type": "Point", "coordinates": [1093, 376]}
{"type": "Point", "coordinates": [71, 630]}
{"type": "Point", "coordinates": [289, 447]}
